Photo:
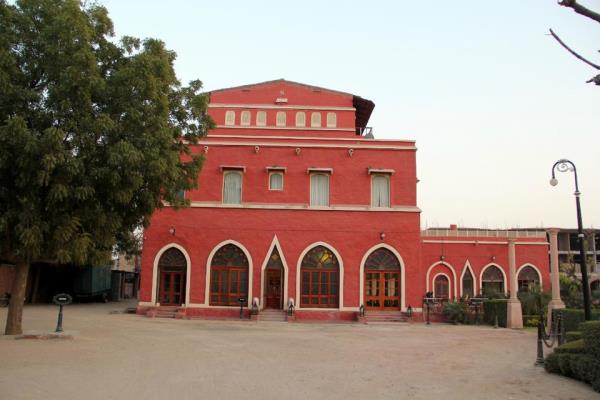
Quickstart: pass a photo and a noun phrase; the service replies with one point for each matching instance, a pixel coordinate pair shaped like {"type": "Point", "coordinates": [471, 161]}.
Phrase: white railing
{"type": "Point", "coordinates": [483, 233]}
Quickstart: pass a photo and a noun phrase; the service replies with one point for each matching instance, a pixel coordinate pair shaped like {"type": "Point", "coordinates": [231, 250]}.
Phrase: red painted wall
{"type": "Point", "coordinates": [351, 231]}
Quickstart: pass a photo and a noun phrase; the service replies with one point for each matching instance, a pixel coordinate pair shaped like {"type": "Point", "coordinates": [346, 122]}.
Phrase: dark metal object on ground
{"type": "Point", "coordinates": [61, 299]}
{"type": "Point", "coordinates": [241, 300]}
{"type": "Point", "coordinates": [361, 310]}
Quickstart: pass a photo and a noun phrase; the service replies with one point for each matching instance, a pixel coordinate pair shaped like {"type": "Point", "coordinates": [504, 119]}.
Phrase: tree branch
{"type": "Point", "coordinates": [555, 36]}
{"type": "Point", "coordinates": [579, 9]}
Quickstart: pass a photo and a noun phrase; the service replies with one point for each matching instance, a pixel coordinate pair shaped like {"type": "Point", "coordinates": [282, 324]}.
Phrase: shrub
{"type": "Point", "coordinates": [573, 317]}
{"type": "Point", "coordinates": [575, 347]}
{"type": "Point", "coordinates": [590, 332]}
{"type": "Point", "coordinates": [531, 320]}
{"type": "Point", "coordinates": [585, 368]}
{"type": "Point", "coordinates": [551, 363]}
{"type": "Point", "coordinates": [491, 308]}
{"type": "Point", "coordinates": [572, 336]}
{"type": "Point", "coordinates": [564, 363]}
{"type": "Point", "coordinates": [532, 299]}
{"type": "Point", "coordinates": [456, 312]}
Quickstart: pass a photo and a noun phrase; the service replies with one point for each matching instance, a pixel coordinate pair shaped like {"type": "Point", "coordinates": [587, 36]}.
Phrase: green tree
{"type": "Point", "coordinates": [94, 135]}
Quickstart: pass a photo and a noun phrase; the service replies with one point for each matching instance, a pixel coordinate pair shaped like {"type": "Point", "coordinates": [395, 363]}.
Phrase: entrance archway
{"type": "Point", "coordinates": [382, 281]}
{"type": "Point", "coordinates": [274, 281]}
{"type": "Point", "coordinates": [172, 267]}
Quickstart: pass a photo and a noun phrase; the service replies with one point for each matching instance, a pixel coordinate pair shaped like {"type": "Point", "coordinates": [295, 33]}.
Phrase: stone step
{"type": "Point", "coordinates": [272, 316]}
{"type": "Point", "coordinates": [385, 317]}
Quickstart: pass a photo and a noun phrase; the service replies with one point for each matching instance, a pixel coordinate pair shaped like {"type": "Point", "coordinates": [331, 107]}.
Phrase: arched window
{"type": "Point", "coordinates": [492, 281]}
{"type": "Point", "coordinates": [280, 121]}
{"type": "Point", "coordinates": [467, 284]}
{"type": "Point", "coordinates": [232, 187]}
{"type": "Point", "coordinates": [300, 119]}
{"type": "Point", "coordinates": [331, 120]}
{"type": "Point", "coordinates": [230, 118]}
{"type": "Point", "coordinates": [261, 118]}
{"type": "Point", "coordinates": [319, 279]}
{"type": "Point", "coordinates": [276, 181]}
{"type": "Point", "coordinates": [172, 268]}
{"type": "Point", "coordinates": [382, 280]}
{"type": "Point", "coordinates": [528, 279]}
{"type": "Point", "coordinates": [245, 118]}
{"type": "Point", "coordinates": [228, 276]}
{"type": "Point", "coordinates": [441, 287]}
{"type": "Point", "coordinates": [315, 120]}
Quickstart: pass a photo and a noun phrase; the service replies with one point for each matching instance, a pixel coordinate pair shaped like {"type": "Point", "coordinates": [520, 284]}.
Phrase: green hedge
{"type": "Point", "coordinates": [590, 332]}
{"type": "Point", "coordinates": [572, 336]}
{"type": "Point", "coordinates": [573, 317]}
{"type": "Point", "coordinates": [490, 307]}
{"type": "Point", "coordinates": [575, 347]}
{"type": "Point", "coordinates": [579, 359]}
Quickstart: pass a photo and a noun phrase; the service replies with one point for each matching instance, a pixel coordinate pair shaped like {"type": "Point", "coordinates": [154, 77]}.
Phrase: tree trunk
{"type": "Point", "coordinates": [15, 309]}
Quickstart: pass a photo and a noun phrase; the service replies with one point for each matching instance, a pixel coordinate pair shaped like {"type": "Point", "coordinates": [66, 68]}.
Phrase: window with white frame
{"type": "Point", "coordinates": [301, 119]}
{"type": "Point", "coordinates": [280, 118]}
{"type": "Point", "coordinates": [245, 118]}
{"type": "Point", "coordinates": [261, 118]}
{"type": "Point", "coordinates": [276, 181]}
{"type": "Point", "coordinates": [232, 187]}
{"type": "Point", "coordinates": [315, 120]}
{"type": "Point", "coordinates": [331, 120]}
{"type": "Point", "coordinates": [380, 190]}
{"type": "Point", "coordinates": [230, 118]}
{"type": "Point", "coordinates": [319, 189]}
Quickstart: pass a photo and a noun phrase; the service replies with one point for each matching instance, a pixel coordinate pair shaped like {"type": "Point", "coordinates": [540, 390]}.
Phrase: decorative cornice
{"type": "Point", "coordinates": [302, 207]}
{"type": "Point", "coordinates": [298, 107]}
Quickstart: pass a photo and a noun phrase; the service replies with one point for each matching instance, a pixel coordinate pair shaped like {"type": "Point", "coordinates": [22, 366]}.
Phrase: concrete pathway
{"type": "Point", "coordinates": [124, 356]}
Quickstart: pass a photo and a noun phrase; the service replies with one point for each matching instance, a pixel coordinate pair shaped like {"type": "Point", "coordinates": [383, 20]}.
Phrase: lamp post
{"type": "Point", "coordinates": [564, 165]}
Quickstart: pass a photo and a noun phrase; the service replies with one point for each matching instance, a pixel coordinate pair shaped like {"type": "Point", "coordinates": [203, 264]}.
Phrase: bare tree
{"type": "Point", "coordinates": [582, 10]}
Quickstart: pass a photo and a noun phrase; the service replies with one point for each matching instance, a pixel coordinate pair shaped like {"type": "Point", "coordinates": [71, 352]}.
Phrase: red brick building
{"type": "Point", "coordinates": [298, 203]}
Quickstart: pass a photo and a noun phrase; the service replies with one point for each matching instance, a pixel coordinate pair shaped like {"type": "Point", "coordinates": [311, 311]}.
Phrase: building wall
{"type": "Point", "coordinates": [351, 234]}
{"type": "Point", "coordinates": [477, 253]}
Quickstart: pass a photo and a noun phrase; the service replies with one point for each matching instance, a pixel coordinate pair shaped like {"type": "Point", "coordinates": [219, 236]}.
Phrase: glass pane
{"type": "Point", "coordinates": [314, 300]}
{"type": "Point", "coordinates": [305, 282]}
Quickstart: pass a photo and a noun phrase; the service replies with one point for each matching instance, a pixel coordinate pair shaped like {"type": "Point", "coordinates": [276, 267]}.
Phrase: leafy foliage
{"type": "Point", "coordinates": [456, 312]}
{"type": "Point", "coordinates": [93, 134]}
{"type": "Point", "coordinates": [493, 308]}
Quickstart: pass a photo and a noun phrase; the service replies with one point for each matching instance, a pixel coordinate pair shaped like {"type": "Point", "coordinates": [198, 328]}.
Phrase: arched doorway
{"type": "Point", "coordinates": [382, 281]}
{"type": "Point", "coordinates": [492, 281]}
{"type": "Point", "coordinates": [468, 288]}
{"type": "Point", "coordinates": [273, 281]}
{"type": "Point", "coordinates": [228, 276]}
{"type": "Point", "coordinates": [172, 267]}
{"type": "Point", "coordinates": [441, 286]}
{"type": "Point", "coordinates": [320, 275]}
{"type": "Point", "coordinates": [528, 279]}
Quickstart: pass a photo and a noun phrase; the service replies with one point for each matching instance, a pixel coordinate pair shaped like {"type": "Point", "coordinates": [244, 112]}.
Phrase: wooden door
{"type": "Point", "coordinates": [172, 288]}
{"type": "Point", "coordinates": [273, 285]}
{"type": "Point", "coordinates": [382, 290]}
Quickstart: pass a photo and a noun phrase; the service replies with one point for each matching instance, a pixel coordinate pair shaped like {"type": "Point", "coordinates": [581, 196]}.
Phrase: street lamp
{"type": "Point", "coordinates": [564, 165]}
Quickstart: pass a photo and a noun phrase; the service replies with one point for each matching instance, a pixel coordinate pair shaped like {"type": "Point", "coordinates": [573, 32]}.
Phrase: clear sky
{"type": "Point", "coordinates": [490, 98]}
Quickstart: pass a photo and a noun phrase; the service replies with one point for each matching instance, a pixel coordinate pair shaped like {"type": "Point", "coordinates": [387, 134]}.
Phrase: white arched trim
{"type": "Point", "coordinates": [341, 282]}
{"type": "Point", "coordinates": [462, 275]}
{"type": "Point", "coordinates": [450, 267]}
{"type": "Point", "coordinates": [155, 276]}
{"type": "Point", "coordinates": [209, 261]}
{"type": "Point", "coordinates": [402, 273]}
{"type": "Point", "coordinates": [284, 283]}
{"type": "Point", "coordinates": [447, 277]}
{"type": "Point", "coordinates": [536, 270]}
{"type": "Point", "coordinates": [503, 276]}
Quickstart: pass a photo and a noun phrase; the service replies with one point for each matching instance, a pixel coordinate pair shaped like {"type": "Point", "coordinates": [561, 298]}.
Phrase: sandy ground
{"type": "Point", "coordinates": [124, 356]}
